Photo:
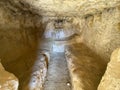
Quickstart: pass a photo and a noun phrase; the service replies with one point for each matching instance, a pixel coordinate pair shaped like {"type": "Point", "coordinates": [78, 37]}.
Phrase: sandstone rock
{"type": "Point", "coordinates": [101, 32]}
{"type": "Point", "coordinates": [86, 68]}
{"type": "Point", "coordinates": [46, 54]}
{"type": "Point", "coordinates": [22, 23]}
{"type": "Point", "coordinates": [19, 35]}
{"type": "Point", "coordinates": [8, 81]}
{"type": "Point", "coordinates": [38, 75]}
{"type": "Point", "coordinates": [111, 78]}
{"type": "Point", "coordinates": [66, 7]}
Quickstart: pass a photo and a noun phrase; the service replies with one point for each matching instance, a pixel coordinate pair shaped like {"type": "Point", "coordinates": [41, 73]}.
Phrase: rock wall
{"type": "Point", "coordinates": [19, 32]}
{"type": "Point", "coordinates": [85, 67]}
{"type": "Point", "coordinates": [111, 78]}
{"type": "Point", "coordinates": [8, 81]}
{"type": "Point", "coordinates": [101, 31]}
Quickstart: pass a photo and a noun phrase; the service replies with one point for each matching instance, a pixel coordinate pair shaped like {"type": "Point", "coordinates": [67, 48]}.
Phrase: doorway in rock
{"type": "Point", "coordinates": [58, 77]}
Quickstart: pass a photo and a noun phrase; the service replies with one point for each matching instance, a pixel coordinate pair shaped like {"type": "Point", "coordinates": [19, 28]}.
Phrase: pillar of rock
{"type": "Point", "coordinates": [111, 78]}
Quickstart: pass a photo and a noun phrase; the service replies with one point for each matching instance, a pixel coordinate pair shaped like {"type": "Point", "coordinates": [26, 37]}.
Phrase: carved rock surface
{"type": "Point", "coordinates": [38, 74]}
{"type": "Point", "coordinates": [101, 32]}
{"type": "Point", "coordinates": [63, 7]}
{"type": "Point", "coordinates": [86, 68]}
{"type": "Point", "coordinates": [111, 78]}
{"type": "Point", "coordinates": [8, 81]}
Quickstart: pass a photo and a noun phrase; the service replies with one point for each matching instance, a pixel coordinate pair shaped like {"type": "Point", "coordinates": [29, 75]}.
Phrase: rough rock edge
{"type": "Point", "coordinates": [111, 78]}
{"type": "Point", "coordinates": [8, 81]}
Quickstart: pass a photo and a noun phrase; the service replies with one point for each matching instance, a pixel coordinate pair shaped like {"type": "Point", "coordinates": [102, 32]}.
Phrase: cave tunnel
{"type": "Point", "coordinates": [59, 45]}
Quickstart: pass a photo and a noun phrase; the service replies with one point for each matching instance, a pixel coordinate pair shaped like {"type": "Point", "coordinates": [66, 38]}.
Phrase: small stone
{"type": "Point", "coordinates": [41, 71]}
{"type": "Point", "coordinates": [68, 84]}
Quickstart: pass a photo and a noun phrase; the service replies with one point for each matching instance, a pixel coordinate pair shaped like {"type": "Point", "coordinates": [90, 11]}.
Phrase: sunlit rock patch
{"type": "Point", "coordinates": [111, 78]}
{"type": "Point", "coordinates": [8, 81]}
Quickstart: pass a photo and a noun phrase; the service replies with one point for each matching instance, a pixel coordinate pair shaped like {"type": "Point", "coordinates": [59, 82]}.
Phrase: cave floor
{"type": "Point", "coordinates": [58, 75]}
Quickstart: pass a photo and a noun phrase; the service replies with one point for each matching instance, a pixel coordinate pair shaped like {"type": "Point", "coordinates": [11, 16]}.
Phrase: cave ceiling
{"type": "Point", "coordinates": [66, 8]}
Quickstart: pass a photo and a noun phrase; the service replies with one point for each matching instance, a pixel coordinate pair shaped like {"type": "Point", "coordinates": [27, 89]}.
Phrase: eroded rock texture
{"type": "Point", "coordinates": [111, 78]}
{"type": "Point", "coordinates": [86, 68]}
{"type": "Point", "coordinates": [101, 32]}
{"type": "Point", "coordinates": [96, 23]}
{"type": "Point", "coordinates": [8, 81]}
{"type": "Point", "coordinates": [19, 34]}
{"type": "Point", "coordinates": [37, 74]}
{"type": "Point", "coordinates": [65, 7]}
